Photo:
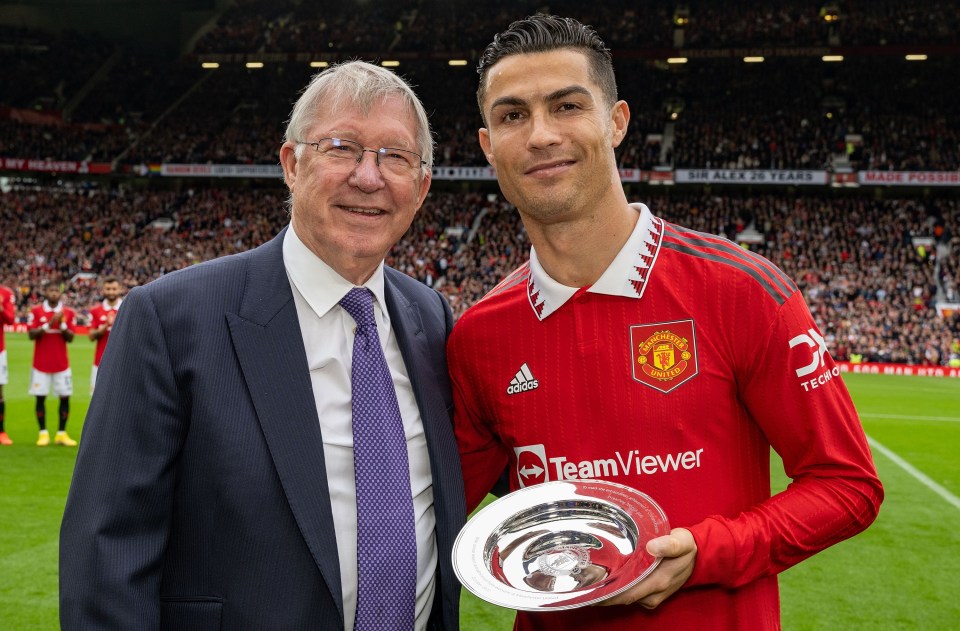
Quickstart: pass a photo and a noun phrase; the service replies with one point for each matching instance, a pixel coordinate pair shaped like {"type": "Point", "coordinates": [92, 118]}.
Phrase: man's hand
{"type": "Point", "coordinates": [56, 319]}
{"type": "Point", "coordinates": [679, 553]}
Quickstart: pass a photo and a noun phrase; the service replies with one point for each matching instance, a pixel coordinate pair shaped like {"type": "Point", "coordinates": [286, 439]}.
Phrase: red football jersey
{"type": "Point", "coordinates": [102, 314]}
{"type": "Point", "coordinates": [8, 312]}
{"type": "Point", "coordinates": [674, 373]}
{"type": "Point", "coordinates": [50, 351]}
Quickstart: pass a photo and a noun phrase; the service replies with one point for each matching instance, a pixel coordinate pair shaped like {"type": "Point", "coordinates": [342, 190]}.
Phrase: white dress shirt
{"type": "Point", "coordinates": [328, 332]}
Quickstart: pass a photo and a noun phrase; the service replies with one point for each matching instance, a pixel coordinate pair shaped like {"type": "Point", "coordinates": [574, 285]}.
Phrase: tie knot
{"type": "Point", "coordinates": [359, 304]}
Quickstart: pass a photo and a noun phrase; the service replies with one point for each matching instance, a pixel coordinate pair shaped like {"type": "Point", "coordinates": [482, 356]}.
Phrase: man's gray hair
{"type": "Point", "coordinates": [360, 84]}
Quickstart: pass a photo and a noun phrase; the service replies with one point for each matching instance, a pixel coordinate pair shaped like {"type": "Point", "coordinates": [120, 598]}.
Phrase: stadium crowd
{"type": "Point", "coordinates": [790, 112]}
{"type": "Point", "coordinates": [719, 116]}
{"type": "Point", "coordinates": [425, 25]}
{"type": "Point", "coordinates": [871, 288]}
{"type": "Point", "coordinates": [47, 68]}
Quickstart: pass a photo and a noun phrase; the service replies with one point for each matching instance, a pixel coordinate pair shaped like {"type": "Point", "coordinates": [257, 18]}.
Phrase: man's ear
{"type": "Point", "coordinates": [620, 119]}
{"type": "Point", "coordinates": [288, 162]}
{"type": "Point", "coordinates": [484, 135]}
{"type": "Point", "coordinates": [424, 187]}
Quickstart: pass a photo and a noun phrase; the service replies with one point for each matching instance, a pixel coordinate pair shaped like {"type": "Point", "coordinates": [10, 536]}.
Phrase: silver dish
{"type": "Point", "coordinates": [559, 545]}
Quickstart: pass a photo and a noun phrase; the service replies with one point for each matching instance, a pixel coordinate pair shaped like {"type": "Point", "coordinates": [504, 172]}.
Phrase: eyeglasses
{"type": "Point", "coordinates": [397, 164]}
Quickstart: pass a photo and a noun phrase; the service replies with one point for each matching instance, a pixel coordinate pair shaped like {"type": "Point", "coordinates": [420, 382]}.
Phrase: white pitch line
{"type": "Point", "coordinates": [910, 417]}
{"type": "Point", "coordinates": [909, 468]}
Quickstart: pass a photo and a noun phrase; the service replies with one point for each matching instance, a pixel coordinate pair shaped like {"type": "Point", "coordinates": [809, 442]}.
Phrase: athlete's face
{"type": "Point", "coordinates": [550, 133]}
{"type": "Point", "coordinates": [111, 291]}
{"type": "Point", "coordinates": [351, 215]}
{"type": "Point", "coordinates": [52, 293]}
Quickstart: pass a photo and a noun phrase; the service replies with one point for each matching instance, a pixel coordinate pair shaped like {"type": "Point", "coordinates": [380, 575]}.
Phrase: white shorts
{"type": "Point", "coordinates": [40, 383]}
{"type": "Point", "coordinates": [3, 367]}
{"type": "Point", "coordinates": [93, 377]}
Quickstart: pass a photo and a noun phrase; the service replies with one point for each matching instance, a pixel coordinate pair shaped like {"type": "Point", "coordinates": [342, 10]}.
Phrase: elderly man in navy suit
{"type": "Point", "coordinates": [249, 460]}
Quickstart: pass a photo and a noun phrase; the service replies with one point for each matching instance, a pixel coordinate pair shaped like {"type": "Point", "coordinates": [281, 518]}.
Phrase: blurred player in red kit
{"type": "Point", "coordinates": [52, 326]}
{"type": "Point", "coordinates": [8, 312]}
{"type": "Point", "coordinates": [102, 317]}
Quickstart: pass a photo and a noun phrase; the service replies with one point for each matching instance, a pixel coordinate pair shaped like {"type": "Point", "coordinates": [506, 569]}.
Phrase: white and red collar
{"type": "Point", "coordinates": [56, 309]}
{"type": "Point", "coordinates": [626, 276]}
{"type": "Point", "coordinates": [108, 307]}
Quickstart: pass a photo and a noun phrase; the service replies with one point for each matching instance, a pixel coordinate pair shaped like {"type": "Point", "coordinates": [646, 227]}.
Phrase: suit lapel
{"type": "Point", "coordinates": [428, 383]}
{"type": "Point", "coordinates": [269, 346]}
{"type": "Point", "coordinates": [408, 325]}
{"type": "Point", "coordinates": [428, 375]}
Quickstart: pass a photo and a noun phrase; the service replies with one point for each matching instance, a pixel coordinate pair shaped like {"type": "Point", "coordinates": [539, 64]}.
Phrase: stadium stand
{"type": "Point", "coordinates": [47, 69]}
{"type": "Point", "coordinates": [870, 287]}
{"type": "Point", "coordinates": [874, 263]}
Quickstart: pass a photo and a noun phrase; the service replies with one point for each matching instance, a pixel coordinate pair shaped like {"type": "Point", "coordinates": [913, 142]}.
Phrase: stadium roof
{"type": "Point", "coordinates": [154, 27]}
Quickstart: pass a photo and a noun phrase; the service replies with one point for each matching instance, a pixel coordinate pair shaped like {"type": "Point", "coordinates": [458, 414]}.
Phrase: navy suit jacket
{"type": "Point", "coordinates": [200, 499]}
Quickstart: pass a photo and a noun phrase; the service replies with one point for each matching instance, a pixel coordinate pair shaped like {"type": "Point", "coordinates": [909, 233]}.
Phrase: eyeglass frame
{"type": "Point", "coordinates": [376, 152]}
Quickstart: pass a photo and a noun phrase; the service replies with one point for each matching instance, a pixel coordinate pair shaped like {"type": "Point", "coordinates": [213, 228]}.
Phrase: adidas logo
{"type": "Point", "coordinates": [523, 381]}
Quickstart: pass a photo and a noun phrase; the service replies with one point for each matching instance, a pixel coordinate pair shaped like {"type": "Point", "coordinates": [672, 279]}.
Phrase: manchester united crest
{"type": "Point", "coordinates": [664, 354]}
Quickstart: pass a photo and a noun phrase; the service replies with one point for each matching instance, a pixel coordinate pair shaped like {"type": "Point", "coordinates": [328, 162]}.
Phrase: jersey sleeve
{"type": "Point", "coordinates": [70, 319]}
{"type": "Point", "coordinates": [8, 310]}
{"type": "Point", "coordinates": [795, 394]}
{"type": "Point", "coordinates": [482, 456]}
{"type": "Point", "coordinates": [33, 322]}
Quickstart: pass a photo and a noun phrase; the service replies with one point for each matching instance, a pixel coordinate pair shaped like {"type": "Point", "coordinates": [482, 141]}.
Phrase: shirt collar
{"type": "Point", "coordinates": [57, 308]}
{"type": "Point", "coordinates": [318, 283]}
{"type": "Point", "coordinates": [107, 306]}
{"type": "Point", "coordinates": [626, 276]}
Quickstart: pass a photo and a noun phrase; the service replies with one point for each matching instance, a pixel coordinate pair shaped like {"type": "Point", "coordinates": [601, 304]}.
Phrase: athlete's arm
{"type": "Point", "coordinates": [482, 457]}
{"type": "Point", "coordinates": [809, 419]}
{"type": "Point", "coordinates": [68, 328]}
{"type": "Point", "coordinates": [97, 332]}
{"type": "Point", "coordinates": [8, 310]}
{"type": "Point", "coordinates": [34, 328]}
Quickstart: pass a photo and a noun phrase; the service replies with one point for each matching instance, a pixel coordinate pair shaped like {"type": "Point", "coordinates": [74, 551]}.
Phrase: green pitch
{"type": "Point", "coordinates": [900, 574]}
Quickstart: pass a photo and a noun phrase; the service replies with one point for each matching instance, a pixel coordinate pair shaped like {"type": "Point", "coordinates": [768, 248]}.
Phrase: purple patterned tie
{"type": "Point", "coordinates": [386, 534]}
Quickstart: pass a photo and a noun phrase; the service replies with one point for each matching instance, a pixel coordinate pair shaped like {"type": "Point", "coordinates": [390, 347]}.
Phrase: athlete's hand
{"type": "Point", "coordinates": [679, 553]}
{"type": "Point", "coordinates": [56, 319]}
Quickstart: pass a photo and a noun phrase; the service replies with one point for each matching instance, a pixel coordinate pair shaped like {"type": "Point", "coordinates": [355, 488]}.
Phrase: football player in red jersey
{"type": "Point", "coordinates": [8, 313]}
{"type": "Point", "coordinates": [102, 317]}
{"type": "Point", "coordinates": [52, 326]}
{"type": "Point", "coordinates": [641, 352]}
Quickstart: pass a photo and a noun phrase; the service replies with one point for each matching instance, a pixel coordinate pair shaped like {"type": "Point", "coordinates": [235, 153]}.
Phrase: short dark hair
{"type": "Point", "coordinates": [542, 33]}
